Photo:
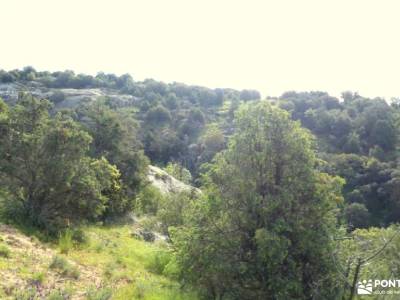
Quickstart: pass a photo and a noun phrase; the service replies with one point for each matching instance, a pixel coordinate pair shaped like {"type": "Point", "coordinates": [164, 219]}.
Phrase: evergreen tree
{"type": "Point", "coordinates": [264, 230]}
{"type": "Point", "coordinates": [45, 170]}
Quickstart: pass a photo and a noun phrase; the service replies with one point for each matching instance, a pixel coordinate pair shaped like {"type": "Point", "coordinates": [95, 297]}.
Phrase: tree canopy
{"type": "Point", "coordinates": [246, 239]}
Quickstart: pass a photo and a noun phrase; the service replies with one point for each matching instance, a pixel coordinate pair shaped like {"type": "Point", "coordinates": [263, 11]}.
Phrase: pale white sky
{"type": "Point", "coordinates": [272, 46]}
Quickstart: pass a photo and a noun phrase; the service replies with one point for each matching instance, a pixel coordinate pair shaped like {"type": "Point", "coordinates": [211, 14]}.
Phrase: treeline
{"type": "Point", "coordinates": [149, 88]}
{"type": "Point", "coordinates": [268, 224]}
{"type": "Point", "coordinates": [283, 178]}
{"type": "Point", "coordinates": [359, 140]}
{"type": "Point", "coordinates": [56, 172]}
{"type": "Point", "coordinates": [188, 125]}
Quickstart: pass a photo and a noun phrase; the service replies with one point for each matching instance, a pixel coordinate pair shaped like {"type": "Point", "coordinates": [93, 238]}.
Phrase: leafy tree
{"type": "Point", "coordinates": [6, 77]}
{"type": "Point", "coordinates": [210, 143]}
{"type": "Point", "coordinates": [172, 101]}
{"type": "Point", "coordinates": [352, 144]}
{"type": "Point", "coordinates": [247, 95]}
{"type": "Point", "coordinates": [264, 230]}
{"type": "Point", "coordinates": [45, 169]}
{"type": "Point", "coordinates": [158, 115]}
{"type": "Point", "coordinates": [179, 172]}
{"type": "Point", "coordinates": [148, 200]}
{"type": "Point", "coordinates": [357, 216]}
{"type": "Point", "coordinates": [393, 198]}
{"type": "Point", "coordinates": [173, 208]}
{"type": "Point", "coordinates": [163, 145]}
{"type": "Point", "coordinates": [384, 135]}
{"type": "Point", "coordinates": [115, 138]}
{"type": "Point", "coordinates": [369, 182]}
{"type": "Point", "coordinates": [193, 124]}
{"type": "Point", "coordinates": [364, 254]}
{"type": "Point", "coordinates": [57, 97]}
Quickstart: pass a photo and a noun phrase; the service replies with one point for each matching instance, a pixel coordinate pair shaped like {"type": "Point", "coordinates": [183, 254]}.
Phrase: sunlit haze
{"type": "Point", "coordinates": [272, 46]}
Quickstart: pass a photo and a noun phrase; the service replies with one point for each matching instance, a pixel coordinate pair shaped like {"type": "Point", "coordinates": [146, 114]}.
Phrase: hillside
{"type": "Point", "coordinates": [67, 97]}
{"type": "Point", "coordinates": [112, 264]}
{"type": "Point", "coordinates": [357, 136]}
{"type": "Point", "coordinates": [124, 189]}
{"type": "Point", "coordinates": [166, 183]}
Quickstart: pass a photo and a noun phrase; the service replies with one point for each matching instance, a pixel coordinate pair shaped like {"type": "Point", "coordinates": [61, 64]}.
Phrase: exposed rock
{"type": "Point", "coordinates": [142, 234]}
{"type": "Point", "coordinates": [72, 97]}
{"type": "Point", "coordinates": [168, 184]}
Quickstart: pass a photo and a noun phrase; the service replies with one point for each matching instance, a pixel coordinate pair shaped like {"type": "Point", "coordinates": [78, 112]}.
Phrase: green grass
{"type": "Point", "coordinates": [99, 294]}
{"type": "Point", "coordinates": [65, 268]}
{"type": "Point", "coordinates": [4, 251]}
{"type": "Point", "coordinates": [136, 267]}
{"type": "Point", "coordinates": [26, 294]}
{"type": "Point", "coordinates": [109, 265]}
{"type": "Point", "coordinates": [38, 278]}
{"type": "Point", "coordinates": [65, 243]}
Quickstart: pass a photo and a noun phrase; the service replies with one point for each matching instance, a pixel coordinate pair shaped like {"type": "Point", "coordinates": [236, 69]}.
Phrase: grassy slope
{"type": "Point", "coordinates": [110, 261]}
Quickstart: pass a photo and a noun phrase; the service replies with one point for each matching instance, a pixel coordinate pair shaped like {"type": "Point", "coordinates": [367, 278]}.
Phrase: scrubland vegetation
{"type": "Point", "coordinates": [298, 196]}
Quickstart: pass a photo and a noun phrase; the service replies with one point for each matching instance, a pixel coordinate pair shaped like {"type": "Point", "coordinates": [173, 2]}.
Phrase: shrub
{"type": "Point", "coordinates": [179, 172]}
{"type": "Point", "coordinates": [99, 294]}
{"type": "Point", "coordinates": [79, 236]}
{"type": "Point", "coordinates": [57, 97]}
{"type": "Point", "coordinates": [4, 251]}
{"type": "Point", "coordinates": [56, 296]}
{"type": "Point", "coordinates": [148, 199]}
{"type": "Point", "coordinates": [357, 216]}
{"type": "Point", "coordinates": [65, 242]}
{"type": "Point", "coordinates": [141, 289]}
{"type": "Point", "coordinates": [171, 209]}
{"type": "Point", "coordinates": [59, 295]}
{"type": "Point", "coordinates": [26, 294]}
{"type": "Point", "coordinates": [64, 267]}
{"type": "Point", "coordinates": [158, 261]}
{"type": "Point", "coordinates": [109, 270]}
{"type": "Point", "coordinates": [61, 173]}
{"type": "Point", "coordinates": [38, 278]}
{"type": "Point", "coordinates": [58, 262]}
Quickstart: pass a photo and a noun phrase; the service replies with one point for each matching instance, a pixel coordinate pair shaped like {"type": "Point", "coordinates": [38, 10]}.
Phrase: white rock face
{"type": "Point", "coordinates": [73, 97]}
{"type": "Point", "coordinates": [166, 183]}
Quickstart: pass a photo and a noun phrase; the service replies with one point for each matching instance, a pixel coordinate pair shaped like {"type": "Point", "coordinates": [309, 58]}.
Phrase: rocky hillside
{"type": "Point", "coordinates": [168, 184]}
{"type": "Point", "coordinates": [62, 97]}
{"type": "Point", "coordinates": [110, 264]}
{"type": "Point", "coordinates": [27, 268]}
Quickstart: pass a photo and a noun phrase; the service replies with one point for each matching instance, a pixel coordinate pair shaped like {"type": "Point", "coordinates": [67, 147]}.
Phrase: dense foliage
{"type": "Point", "coordinates": [47, 173]}
{"type": "Point", "coordinates": [293, 187]}
{"type": "Point", "coordinates": [253, 236]}
{"type": "Point", "coordinates": [359, 138]}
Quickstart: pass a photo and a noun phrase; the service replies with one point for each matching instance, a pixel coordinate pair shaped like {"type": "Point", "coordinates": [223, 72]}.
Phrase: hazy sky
{"type": "Point", "coordinates": [271, 46]}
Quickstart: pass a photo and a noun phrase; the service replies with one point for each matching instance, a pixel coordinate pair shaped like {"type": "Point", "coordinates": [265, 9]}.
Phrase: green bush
{"type": "Point", "coordinates": [64, 267]}
{"type": "Point", "coordinates": [179, 172]}
{"type": "Point", "coordinates": [158, 261]}
{"type": "Point", "coordinates": [4, 251]}
{"type": "Point", "coordinates": [171, 209]}
{"type": "Point", "coordinates": [99, 294]}
{"type": "Point", "coordinates": [60, 294]}
{"type": "Point", "coordinates": [63, 179]}
{"type": "Point", "coordinates": [142, 288]}
{"type": "Point", "coordinates": [65, 242]}
{"type": "Point", "coordinates": [38, 278]}
{"type": "Point", "coordinates": [57, 97]}
{"type": "Point", "coordinates": [56, 295]}
{"type": "Point", "coordinates": [26, 294]}
{"type": "Point", "coordinates": [148, 200]}
{"type": "Point", "coordinates": [58, 262]}
{"type": "Point", "coordinates": [79, 236]}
